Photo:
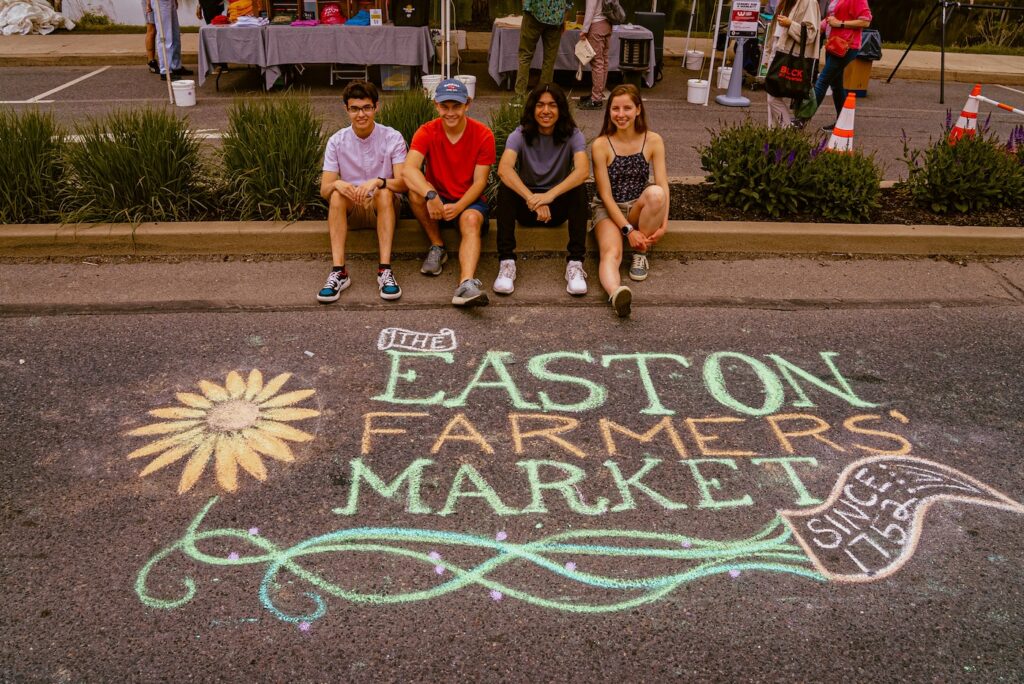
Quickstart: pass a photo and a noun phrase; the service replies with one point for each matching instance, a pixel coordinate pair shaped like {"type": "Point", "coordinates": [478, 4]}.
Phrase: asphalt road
{"type": "Point", "coordinates": [882, 118]}
{"type": "Point", "coordinates": [517, 548]}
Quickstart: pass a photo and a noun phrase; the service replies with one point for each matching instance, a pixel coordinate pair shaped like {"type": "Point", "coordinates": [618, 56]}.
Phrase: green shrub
{"type": "Point", "coordinates": [975, 174]}
{"type": "Point", "coordinates": [272, 157]}
{"type": "Point", "coordinates": [755, 168]}
{"type": "Point", "coordinates": [406, 112]}
{"type": "Point", "coordinates": [845, 187]}
{"type": "Point", "coordinates": [135, 166]}
{"type": "Point", "coordinates": [778, 172]}
{"type": "Point", "coordinates": [31, 155]}
{"type": "Point", "coordinates": [504, 120]}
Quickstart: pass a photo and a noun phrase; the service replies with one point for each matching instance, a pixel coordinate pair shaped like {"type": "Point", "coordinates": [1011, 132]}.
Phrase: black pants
{"type": "Point", "coordinates": [570, 206]}
{"type": "Point", "coordinates": [212, 8]}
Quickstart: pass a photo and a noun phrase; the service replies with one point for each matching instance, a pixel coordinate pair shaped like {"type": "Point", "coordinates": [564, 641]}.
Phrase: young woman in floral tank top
{"type": "Point", "coordinates": [628, 204]}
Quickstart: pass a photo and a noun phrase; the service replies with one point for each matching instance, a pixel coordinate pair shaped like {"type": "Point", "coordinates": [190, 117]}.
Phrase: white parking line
{"type": "Point", "coordinates": [39, 98]}
{"type": "Point", "coordinates": [1011, 89]}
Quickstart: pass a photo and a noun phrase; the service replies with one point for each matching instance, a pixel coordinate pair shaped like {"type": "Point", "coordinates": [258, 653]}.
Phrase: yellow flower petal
{"type": "Point", "coordinates": [271, 388]}
{"type": "Point", "coordinates": [195, 466]}
{"type": "Point", "coordinates": [194, 400]}
{"type": "Point", "coordinates": [227, 466]}
{"type": "Point", "coordinates": [283, 431]}
{"type": "Point", "coordinates": [251, 462]}
{"type": "Point", "coordinates": [255, 383]}
{"type": "Point", "coordinates": [177, 412]}
{"type": "Point", "coordinates": [166, 459]}
{"type": "Point", "coordinates": [269, 445]}
{"type": "Point", "coordinates": [165, 443]}
{"type": "Point", "coordinates": [213, 391]}
{"type": "Point", "coordinates": [288, 398]}
{"type": "Point", "coordinates": [235, 385]}
{"type": "Point", "coordinates": [163, 428]}
{"type": "Point", "coordinates": [289, 414]}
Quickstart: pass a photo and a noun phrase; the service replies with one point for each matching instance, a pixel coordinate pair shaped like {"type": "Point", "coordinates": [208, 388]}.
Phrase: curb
{"type": "Point", "coordinates": [311, 237]}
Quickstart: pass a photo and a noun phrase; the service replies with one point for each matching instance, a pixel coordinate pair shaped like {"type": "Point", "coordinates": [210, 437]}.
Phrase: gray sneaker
{"type": "Point", "coordinates": [434, 263]}
{"type": "Point", "coordinates": [638, 271]}
{"type": "Point", "coordinates": [468, 293]}
{"type": "Point", "coordinates": [621, 300]}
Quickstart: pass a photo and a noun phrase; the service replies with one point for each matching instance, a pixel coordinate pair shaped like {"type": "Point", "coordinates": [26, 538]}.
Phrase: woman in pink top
{"type": "Point", "coordinates": [598, 31]}
{"type": "Point", "coordinates": [846, 19]}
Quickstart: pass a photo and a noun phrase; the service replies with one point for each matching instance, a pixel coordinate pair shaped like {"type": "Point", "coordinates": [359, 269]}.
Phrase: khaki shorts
{"type": "Point", "coordinates": [365, 216]}
{"type": "Point", "coordinates": [600, 213]}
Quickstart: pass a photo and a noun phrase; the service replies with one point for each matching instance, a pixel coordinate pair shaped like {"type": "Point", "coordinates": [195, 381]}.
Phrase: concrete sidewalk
{"type": "Point", "coordinates": [71, 49]}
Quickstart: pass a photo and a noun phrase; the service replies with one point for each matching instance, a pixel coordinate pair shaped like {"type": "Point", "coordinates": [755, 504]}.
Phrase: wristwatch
{"type": "Point", "coordinates": [842, 24]}
{"type": "Point", "coordinates": [383, 182]}
{"type": "Point", "coordinates": [431, 194]}
{"type": "Point", "coordinates": [627, 229]}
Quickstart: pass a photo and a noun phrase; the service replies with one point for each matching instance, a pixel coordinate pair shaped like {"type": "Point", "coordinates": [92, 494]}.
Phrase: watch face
{"type": "Point", "coordinates": [431, 195]}
{"type": "Point", "coordinates": [626, 228]}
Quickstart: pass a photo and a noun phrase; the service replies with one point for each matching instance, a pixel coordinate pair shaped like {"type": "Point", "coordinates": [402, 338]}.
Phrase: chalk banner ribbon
{"type": "Point", "coordinates": [869, 526]}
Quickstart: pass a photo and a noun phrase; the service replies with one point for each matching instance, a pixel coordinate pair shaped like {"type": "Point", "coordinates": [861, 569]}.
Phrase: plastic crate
{"type": "Point", "coordinates": [394, 77]}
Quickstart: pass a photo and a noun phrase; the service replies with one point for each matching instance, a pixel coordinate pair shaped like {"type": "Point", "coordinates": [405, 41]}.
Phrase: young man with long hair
{"type": "Point", "coordinates": [542, 172]}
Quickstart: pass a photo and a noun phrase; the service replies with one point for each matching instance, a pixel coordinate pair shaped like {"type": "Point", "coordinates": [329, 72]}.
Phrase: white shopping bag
{"type": "Point", "coordinates": [584, 53]}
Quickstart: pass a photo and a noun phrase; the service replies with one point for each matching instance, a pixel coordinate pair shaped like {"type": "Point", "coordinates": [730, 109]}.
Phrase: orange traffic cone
{"type": "Point", "coordinates": [842, 134]}
{"type": "Point", "coordinates": [967, 122]}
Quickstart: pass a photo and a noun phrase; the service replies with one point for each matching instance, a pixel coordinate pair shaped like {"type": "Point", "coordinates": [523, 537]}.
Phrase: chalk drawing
{"type": "Point", "coordinates": [400, 338]}
{"type": "Point", "coordinates": [870, 525]}
{"type": "Point", "coordinates": [770, 550]}
{"type": "Point", "coordinates": [839, 540]}
{"type": "Point", "coordinates": [234, 425]}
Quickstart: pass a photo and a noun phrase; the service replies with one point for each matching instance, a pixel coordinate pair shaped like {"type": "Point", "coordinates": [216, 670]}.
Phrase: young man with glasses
{"type": "Point", "coordinates": [361, 178]}
{"type": "Point", "coordinates": [458, 152]}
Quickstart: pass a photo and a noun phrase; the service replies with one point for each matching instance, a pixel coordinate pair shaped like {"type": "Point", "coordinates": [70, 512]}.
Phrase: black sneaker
{"type": "Point", "coordinates": [182, 71]}
{"type": "Point", "coordinates": [336, 282]}
{"type": "Point", "coordinates": [154, 66]}
{"type": "Point", "coordinates": [828, 128]}
{"type": "Point", "coordinates": [589, 103]}
{"type": "Point", "coordinates": [174, 77]}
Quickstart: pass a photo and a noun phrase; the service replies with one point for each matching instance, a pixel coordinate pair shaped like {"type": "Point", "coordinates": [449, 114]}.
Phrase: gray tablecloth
{"type": "Point", "coordinates": [503, 55]}
{"type": "Point", "coordinates": [273, 47]}
{"type": "Point", "coordinates": [234, 44]}
{"type": "Point", "coordinates": [366, 45]}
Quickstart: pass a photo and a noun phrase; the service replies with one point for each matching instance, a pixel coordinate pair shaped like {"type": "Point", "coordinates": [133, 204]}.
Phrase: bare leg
{"type": "Point", "coordinates": [384, 202]}
{"type": "Point", "coordinates": [337, 225]}
{"type": "Point", "coordinates": [650, 210]}
{"type": "Point", "coordinates": [419, 209]}
{"type": "Point", "coordinates": [609, 242]}
{"type": "Point", "coordinates": [470, 223]}
{"type": "Point", "coordinates": [150, 42]}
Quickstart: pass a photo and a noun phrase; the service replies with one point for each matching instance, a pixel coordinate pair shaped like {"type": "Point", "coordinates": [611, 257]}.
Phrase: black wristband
{"type": "Point", "coordinates": [383, 182]}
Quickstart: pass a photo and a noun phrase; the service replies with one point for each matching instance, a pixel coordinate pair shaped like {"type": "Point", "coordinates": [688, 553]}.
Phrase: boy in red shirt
{"type": "Point", "coordinates": [458, 152]}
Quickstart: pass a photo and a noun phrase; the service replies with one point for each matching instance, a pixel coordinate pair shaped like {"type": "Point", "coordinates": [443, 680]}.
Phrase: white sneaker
{"type": "Point", "coordinates": [576, 277]}
{"type": "Point", "coordinates": [505, 282]}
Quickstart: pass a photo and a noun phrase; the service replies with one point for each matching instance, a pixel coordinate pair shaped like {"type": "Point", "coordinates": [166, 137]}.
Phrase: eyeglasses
{"type": "Point", "coordinates": [365, 109]}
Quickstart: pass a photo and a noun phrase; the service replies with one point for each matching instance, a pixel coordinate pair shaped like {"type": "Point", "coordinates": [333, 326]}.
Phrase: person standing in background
{"type": "Point", "coordinates": [208, 9]}
{"type": "Point", "coordinates": [543, 20]}
{"type": "Point", "coordinates": [147, 12]}
{"type": "Point", "coordinates": [597, 30]}
{"type": "Point", "coordinates": [169, 37]}
{"type": "Point", "coordinates": [845, 19]}
{"type": "Point", "coordinates": [784, 35]}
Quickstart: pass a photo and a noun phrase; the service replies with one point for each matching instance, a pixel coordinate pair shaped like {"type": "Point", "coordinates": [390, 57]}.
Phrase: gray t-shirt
{"type": "Point", "coordinates": [543, 165]}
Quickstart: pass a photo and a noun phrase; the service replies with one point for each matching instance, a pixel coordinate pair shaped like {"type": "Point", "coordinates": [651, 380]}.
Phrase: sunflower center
{"type": "Point", "coordinates": [236, 414]}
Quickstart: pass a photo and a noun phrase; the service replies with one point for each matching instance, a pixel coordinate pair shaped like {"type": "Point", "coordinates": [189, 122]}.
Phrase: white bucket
{"type": "Point", "coordinates": [696, 91]}
{"type": "Point", "coordinates": [470, 82]}
{"type": "Point", "coordinates": [430, 82]}
{"type": "Point", "coordinates": [724, 74]}
{"type": "Point", "coordinates": [184, 93]}
{"type": "Point", "coordinates": [694, 60]}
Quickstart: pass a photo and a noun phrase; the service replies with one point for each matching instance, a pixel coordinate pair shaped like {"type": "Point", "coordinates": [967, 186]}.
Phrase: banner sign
{"type": "Point", "coordinates": [743, 18]}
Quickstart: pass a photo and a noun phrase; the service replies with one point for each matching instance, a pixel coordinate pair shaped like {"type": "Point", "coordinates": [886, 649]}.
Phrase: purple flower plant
{"type": "Point", "coordinates": [820, 147]}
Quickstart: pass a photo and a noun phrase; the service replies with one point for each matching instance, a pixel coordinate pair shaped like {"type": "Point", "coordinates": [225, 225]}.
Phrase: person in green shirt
{"type": "Point", "coordinates": [543, 20]}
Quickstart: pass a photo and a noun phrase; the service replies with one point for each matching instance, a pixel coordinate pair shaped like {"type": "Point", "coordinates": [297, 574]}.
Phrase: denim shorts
{"type": "Point", "coordinates": [477, 204]}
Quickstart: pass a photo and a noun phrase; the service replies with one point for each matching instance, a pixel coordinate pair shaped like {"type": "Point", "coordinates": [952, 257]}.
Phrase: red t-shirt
{"type": "Point", "coordinates": [450, 167]}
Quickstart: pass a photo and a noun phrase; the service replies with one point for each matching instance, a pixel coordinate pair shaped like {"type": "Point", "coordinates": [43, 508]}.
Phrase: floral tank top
{"type": "Point", "coordinates": [629, 175]}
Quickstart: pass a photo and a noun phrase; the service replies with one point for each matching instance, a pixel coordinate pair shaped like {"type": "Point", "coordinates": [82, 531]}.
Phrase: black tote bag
{"type": "Point", "coordinates": [790, 75]}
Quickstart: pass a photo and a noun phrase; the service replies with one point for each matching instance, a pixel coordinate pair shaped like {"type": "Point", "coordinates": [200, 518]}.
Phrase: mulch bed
{"type": "Point", "coordinates": [691, 203]}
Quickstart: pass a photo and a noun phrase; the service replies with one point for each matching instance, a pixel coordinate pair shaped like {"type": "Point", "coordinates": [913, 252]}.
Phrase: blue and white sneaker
{"type": "Point", "coordinates": [387, 285]}
{"type": "Point", "coordinates": [336, 282]}
{"type": "Point", "coordinates": [468, 293]}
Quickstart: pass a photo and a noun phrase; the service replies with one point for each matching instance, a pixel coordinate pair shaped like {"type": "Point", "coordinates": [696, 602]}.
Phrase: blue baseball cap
{"type": "Point", "coordinates": [451, 90]}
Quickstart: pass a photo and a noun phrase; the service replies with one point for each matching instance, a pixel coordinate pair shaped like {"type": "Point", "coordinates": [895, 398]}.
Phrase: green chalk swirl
{"type": "Point", "coordinates": [769, 550]}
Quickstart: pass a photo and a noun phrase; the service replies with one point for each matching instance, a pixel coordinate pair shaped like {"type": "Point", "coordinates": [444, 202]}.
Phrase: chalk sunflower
{"type": "Point", "coordinates": [234, 425]}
